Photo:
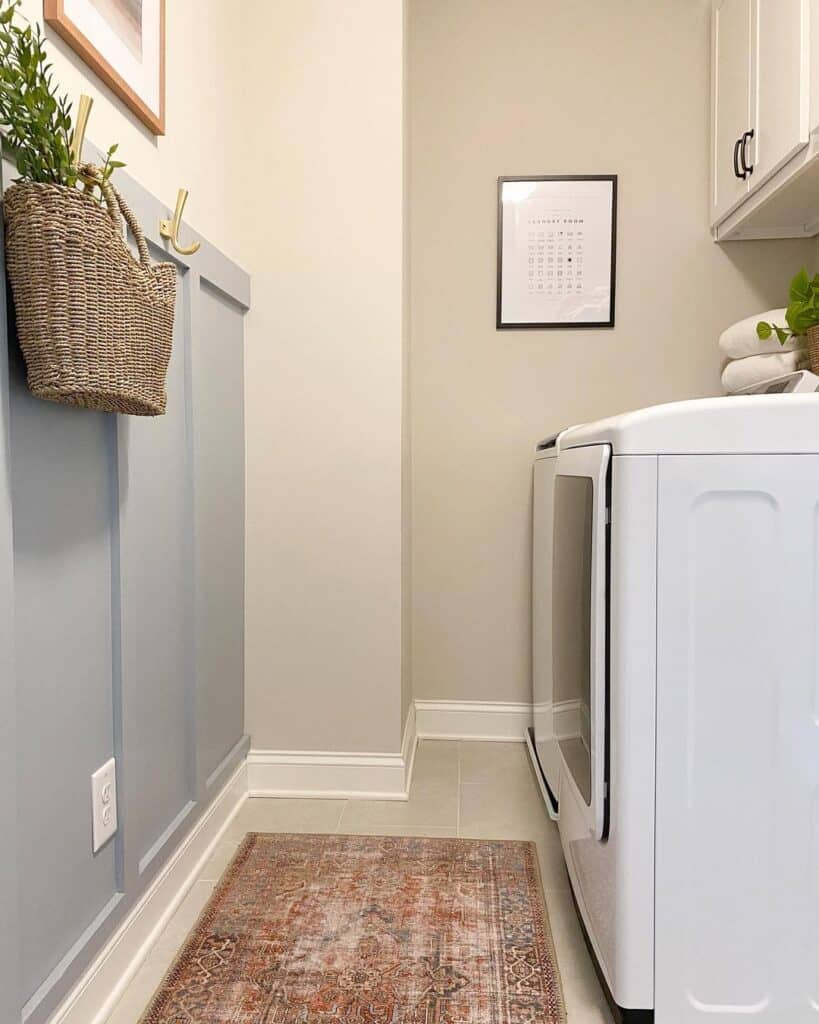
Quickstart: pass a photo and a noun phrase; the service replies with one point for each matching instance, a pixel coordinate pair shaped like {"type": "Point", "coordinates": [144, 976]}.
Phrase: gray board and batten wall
{"type": "Point", "coordinates": [121, 626]}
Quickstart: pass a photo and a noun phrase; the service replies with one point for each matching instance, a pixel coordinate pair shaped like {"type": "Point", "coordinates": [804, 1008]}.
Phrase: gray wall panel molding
{"type": "Point", "coordinates": [156, 569]}
{"type": "Point", "coordinates": [61, 507]}
{"type": "Point", "coordinates": [228, 765]}
{"type": "Point", "coordinates": [121, 628]}
{"type": "Point", "coordinates": [42, 1001]}
{"type": "Point", "coordinates": [219, 517]}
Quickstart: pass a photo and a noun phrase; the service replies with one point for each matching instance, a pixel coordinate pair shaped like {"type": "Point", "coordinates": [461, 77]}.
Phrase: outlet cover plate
{"type": "Point", "coordinates": [103, 804]}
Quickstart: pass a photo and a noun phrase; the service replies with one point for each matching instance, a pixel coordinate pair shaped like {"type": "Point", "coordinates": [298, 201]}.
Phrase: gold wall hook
{"type": "Point", "coordinates": [170, 228]}
{"type": "Point", "coordinates": [77, 139]}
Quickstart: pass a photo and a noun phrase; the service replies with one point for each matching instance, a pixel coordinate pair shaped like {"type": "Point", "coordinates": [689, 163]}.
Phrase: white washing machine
{"type": "Point", "coordinates": [685, 688]}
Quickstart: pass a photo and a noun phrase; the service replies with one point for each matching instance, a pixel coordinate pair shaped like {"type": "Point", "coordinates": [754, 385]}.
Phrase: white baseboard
{"type": "Point", "coordinates": [364, 776]}
{"type": "Point", "coordinates": [334, 775]}
{"type": "Point", "coordinates": [95, 995]}
{"type": "Point", "coordinates": [472, 720]}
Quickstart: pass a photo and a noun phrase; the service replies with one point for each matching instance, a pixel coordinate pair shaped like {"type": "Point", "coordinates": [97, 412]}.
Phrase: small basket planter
{"type": "Point", "coordinates": [95, 324]}
{"type": "Point", "coordinates": [812, 340]}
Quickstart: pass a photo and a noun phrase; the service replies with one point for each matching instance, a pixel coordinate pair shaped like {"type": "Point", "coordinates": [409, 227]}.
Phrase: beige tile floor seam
{"type": "Point", "coordinates": [460, 780]}
{"type": "Point", "coordinates": [474, 790]}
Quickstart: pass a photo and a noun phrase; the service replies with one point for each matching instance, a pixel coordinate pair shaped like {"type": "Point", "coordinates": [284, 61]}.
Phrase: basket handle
{"type": "Point", "coordinates": [118, 209]}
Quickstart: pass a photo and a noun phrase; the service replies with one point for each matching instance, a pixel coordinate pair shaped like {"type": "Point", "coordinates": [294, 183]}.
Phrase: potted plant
{"type": "Point", "coordinates": [801, 317]}
{"type": "Point", "coordinates": [94, 323]}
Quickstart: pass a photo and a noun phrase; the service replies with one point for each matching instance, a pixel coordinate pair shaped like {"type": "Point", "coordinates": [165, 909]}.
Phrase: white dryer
{"type": "Point", "coordinates": [685, 651]}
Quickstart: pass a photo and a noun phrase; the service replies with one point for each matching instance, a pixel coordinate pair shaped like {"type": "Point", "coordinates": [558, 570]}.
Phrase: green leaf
{"type": "Point", "coordinates": [35, 117]}
{"type": "Point", "coordinates": [764, 331]}
{"type": "Point", "coordinates": [793, 314]}
{"type": "Point", "coordinates": [800, 287]}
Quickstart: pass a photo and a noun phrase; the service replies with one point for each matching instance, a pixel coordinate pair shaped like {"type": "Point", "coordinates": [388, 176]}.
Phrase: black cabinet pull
{"type": "Point", "coordinates": [746, 138]}
{"type": "Point", "coordinates": [737, 171]}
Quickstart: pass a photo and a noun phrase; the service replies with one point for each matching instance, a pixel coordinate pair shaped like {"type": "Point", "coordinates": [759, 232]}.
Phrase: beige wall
{"type": "Point", "coordinates": [287, 125]}
{"type": "Point", "coordinates": [324, 377]}
{"type": "Point", "coordinates": [547, 86]}
{"type": "Point", "coordinates": [205, 92]}
{"type": "Point", "coordinates": [309, 102]}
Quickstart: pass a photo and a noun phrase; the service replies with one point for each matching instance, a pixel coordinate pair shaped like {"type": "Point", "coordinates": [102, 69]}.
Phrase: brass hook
{"type": "Point", "coordinates": [170, 228]}
{"type": "Point", "coordinates": [77, 139]}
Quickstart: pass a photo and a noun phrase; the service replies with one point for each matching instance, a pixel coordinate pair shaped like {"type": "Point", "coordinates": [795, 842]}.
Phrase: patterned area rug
{"type": "Point", "coordinates": [308, 929]}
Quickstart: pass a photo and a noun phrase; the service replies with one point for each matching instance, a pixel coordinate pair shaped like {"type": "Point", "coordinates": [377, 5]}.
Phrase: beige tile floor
{"type": "Point", "coordinates": [477, 790]}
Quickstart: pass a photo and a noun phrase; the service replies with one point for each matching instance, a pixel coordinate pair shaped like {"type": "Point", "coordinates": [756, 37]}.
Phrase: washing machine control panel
{"type": "Point", "coordinates": [801, 382]}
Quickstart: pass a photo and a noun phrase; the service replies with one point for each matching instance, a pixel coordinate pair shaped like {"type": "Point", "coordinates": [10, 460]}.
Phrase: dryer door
{"type": "Point", "coordinates": [548, 755]}
{"type": "Point", "coordinates": [579, 641]}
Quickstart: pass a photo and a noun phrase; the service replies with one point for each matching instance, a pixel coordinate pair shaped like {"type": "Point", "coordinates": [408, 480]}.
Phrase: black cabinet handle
{"type": "Point", "coordinates": [746, 138]}
{"type": "Point", "coordinates": [739, 173]}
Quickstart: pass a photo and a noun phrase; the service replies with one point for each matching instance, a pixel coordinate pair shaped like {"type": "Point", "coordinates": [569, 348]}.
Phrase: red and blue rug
{"type": "Point", "coordinates": [309, 929]}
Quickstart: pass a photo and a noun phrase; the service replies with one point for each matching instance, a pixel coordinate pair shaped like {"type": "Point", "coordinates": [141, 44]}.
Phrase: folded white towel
{"type": "Point", "coordinates": [741, 340]}
{"type": "Point", "coordinates": [742, 373]}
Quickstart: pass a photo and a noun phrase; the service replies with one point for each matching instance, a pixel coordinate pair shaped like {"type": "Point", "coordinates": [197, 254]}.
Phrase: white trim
{"type": "Point", "coordinates": [353, 775]}
{"type": "Point", "coordinates": [327, 775]}
{"type": "Point", "coordinates": [93, 998]}
{"type": "Point", "coordinates": [409, 746]}
{"type": "Point", "coordinates": [334, 775]}
{"type": "Point", "coordinates": [472, 720]}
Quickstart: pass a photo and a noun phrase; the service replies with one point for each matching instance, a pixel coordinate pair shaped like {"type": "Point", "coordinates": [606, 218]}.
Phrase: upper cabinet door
{"type": "Point", "coordinates": [731, 98]}
{"type": "Point", "coordinates": [782, 85]}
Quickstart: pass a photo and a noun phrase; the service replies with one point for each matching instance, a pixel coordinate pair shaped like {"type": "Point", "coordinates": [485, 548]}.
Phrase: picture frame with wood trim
{"type": "Point", "coordinates": [123, 42]}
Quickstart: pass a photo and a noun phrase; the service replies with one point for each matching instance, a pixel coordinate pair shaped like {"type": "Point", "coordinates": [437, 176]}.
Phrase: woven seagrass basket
{"type": "Point", "coordinates": [812, 338]}
{"type": "Point", "coordinates": [94, 323]}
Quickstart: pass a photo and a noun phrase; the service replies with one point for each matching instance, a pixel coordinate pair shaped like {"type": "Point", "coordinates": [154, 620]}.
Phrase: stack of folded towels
{"type": "Point", "coordinates": [751, 361]}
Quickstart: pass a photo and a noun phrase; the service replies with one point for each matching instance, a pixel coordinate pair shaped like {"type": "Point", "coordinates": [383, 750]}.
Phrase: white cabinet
{"type": "Point", "coordinates": [731, 85]}
{"type": "Point", "coordinates": [761, 111]}
{"type": "Point", "coordinates": [782, 83]}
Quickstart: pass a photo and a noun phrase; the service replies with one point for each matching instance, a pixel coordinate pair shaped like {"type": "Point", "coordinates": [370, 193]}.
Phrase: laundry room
{"type": "Point", "coordinates": [409, 488]}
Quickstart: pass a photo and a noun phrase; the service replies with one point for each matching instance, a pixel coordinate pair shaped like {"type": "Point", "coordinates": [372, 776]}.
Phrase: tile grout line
{"type": "Point", "coordinates": [341, 816]}
{"type": "Point", "coordinates": [458, 802]}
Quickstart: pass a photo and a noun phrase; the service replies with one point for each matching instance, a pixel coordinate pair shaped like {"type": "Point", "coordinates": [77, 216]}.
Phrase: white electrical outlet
{"type": "Point", "coordinates": [103, 804]}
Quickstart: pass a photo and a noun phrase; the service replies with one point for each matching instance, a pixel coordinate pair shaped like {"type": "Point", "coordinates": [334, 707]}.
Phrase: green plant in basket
{"type": "Point", "coordinates": [66, 253]}
{"type": "Point", "coordinates": [802, 312]}
{"type": "Point", "coordinates": [35, 118]}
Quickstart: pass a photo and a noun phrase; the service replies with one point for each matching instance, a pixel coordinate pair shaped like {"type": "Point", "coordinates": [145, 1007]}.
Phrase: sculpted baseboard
{"type": "Point", "coordinates": [378, 776]}
{"type": "Point", "coordinates": [334, 774]}
{"type": "Point", "coordinates": [472, 720]}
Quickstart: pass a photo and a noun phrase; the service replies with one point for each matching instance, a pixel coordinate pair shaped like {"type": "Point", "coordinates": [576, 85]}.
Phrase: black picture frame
{"type": "Point", "coordinates": [558, 325]}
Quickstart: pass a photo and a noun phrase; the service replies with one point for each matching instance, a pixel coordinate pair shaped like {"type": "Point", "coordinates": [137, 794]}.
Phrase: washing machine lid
{"type": "Point", "coordinates": [739, 424]}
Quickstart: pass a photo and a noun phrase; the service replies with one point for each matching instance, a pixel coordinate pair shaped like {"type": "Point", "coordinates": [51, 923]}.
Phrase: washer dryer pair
{"type": "Point", "coordinates": [676, 693]}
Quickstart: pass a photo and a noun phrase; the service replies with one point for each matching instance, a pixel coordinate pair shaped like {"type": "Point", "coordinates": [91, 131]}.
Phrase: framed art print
{"type": "Point", "coordinates": [557, 237]}
{"type": "Point", "coordinates": [122, 41]}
